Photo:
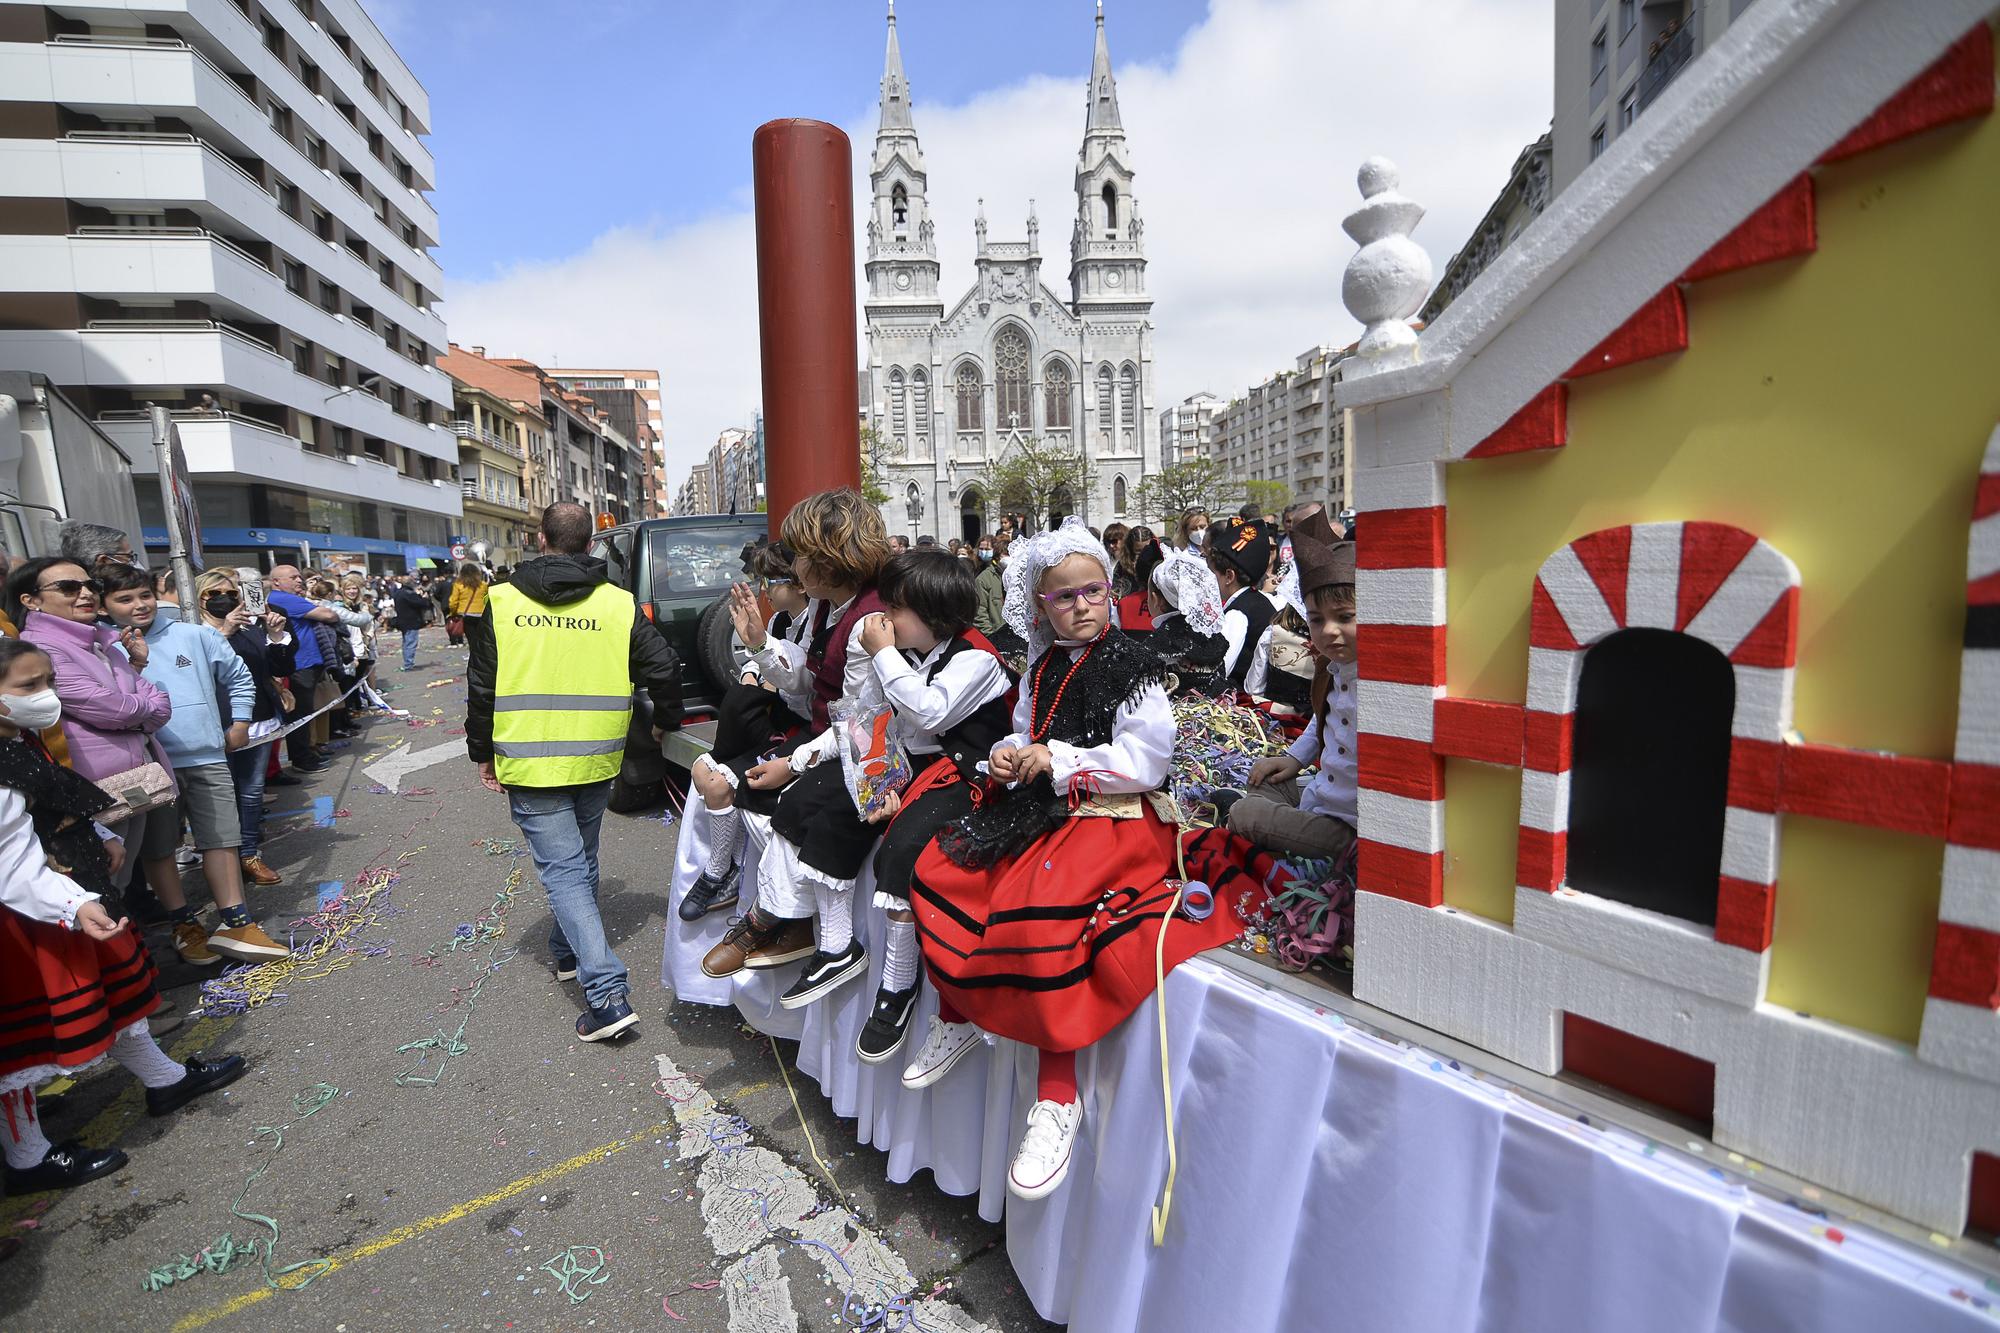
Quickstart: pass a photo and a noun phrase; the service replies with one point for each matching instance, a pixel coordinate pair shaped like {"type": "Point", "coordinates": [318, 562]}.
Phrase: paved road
{"type": "Point", "coordinates": [532, 1182]}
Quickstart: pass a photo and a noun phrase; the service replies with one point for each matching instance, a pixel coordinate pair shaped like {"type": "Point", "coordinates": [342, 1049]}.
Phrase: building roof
{"type": "Point", "coordinates": [501, 379]}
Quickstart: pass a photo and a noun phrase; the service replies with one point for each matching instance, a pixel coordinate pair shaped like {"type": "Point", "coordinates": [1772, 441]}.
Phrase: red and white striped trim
{"type": "Point", "coordinates": [1718, 584]}
{"type": "Point", "coordinates": [1962, 1012]}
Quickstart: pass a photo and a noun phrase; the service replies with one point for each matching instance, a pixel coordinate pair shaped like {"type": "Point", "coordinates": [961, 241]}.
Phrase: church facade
{"type": "Point", "coordinates": [953, 391]}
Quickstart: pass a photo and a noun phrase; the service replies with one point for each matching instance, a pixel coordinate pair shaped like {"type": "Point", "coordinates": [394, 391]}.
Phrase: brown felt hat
{"type": "Point", "coordinates": [1317, 526]}
{"type": "Point", "coordinates": [1321, 564]}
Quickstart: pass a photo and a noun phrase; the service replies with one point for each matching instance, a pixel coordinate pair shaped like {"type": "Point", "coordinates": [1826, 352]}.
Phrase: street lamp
{"type": "Point", "coordinates": [366, 382]}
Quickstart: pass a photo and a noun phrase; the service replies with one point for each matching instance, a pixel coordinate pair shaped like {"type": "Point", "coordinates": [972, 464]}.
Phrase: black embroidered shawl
{"type": "Point", "coordinates": [60, 803]}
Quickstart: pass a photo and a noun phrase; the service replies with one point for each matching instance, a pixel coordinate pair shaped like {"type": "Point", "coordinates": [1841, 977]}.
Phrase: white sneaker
{"type": "Point", "coordinates": [1042, 1161]}
{"type": "Point", "coordinates": [944, 1046]}
{"type": "Point", "coordinates": [184, 857]}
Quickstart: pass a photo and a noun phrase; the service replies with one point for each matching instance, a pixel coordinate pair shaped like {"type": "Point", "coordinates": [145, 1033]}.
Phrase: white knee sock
{"type": "Point", "coordinates": [899, 956]}
{"type": "Point", "coordinates": [836, 918]}
{"type": "Point", "coordinates": [24, 1142]}
{"type": "Point", "coordinates": [137, 1051]}
{"type": "Point", "coordinates": [723, 828]}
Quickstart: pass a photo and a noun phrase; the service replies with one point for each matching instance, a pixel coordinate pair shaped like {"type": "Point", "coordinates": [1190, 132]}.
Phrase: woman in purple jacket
{"type": "Point", "coordinates": [110, 711]}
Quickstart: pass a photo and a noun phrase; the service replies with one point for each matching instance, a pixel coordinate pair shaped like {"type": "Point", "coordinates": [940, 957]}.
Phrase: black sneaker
{"type": "Point", "coordinates": [711, 895]}
{"type": "Point", "coordinates": [882, 1035]}
{"type": "Point", "coordinates": [612, 1019]}
{"type": "Point", "coordinates": [824, 974]}
{"type": "Point", "coordinates": [202, 1076]}
{"type": "Point", "coordinates": [66, 1165]}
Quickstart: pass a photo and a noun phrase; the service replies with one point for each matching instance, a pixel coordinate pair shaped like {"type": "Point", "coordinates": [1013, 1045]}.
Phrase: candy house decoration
{"type": "Point", "coordinates": [1680, 595]}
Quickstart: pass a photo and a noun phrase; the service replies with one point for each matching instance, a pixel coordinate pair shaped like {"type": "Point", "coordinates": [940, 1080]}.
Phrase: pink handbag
{"type": "Point", "coordinates": [135, 791]}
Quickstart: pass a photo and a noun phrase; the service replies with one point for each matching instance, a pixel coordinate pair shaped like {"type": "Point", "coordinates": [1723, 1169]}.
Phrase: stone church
{"type": "Point", "coordinates": [952, 391]}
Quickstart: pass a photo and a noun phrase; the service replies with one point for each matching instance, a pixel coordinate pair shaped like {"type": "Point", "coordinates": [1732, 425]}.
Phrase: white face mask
{"type": "Point", "coordinates": [1198, 537]}
{"type": "Point", "coordinates": [32, 712]}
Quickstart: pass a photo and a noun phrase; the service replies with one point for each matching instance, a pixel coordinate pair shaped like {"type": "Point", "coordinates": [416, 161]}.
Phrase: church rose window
{"type": "Point", "coordinates": [1010, 384]}
{"type": "Point", "coordinates": [971, 415]}
{"type": "Point", "coordinates": [1055, 394]}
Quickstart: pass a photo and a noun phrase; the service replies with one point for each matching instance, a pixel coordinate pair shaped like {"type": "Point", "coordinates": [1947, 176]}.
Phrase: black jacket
{"type": "Point", "coordinates": [411, 607]}
{"type": "Point", "coordinates": [556, 580]}
{"type": "Point", "coordinates": [265, 660]}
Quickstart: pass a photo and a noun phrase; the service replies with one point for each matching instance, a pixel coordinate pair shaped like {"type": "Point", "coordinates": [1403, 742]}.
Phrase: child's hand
{"type": "Point", "coordinates": [891, 805]}
{"type": "Point", "coordinates": [236, 737]}
{"type": "Point", "coordinates": [1001, 763]}
{"type": "Point", "coordinates": [770, 775]}
{"type": "Point", "coordinates": [1277, 768]}
{"type": "Point", "coordinates": [94, 921]}
{"type": "Point", "coordinates": [743, 615]}
{"type": "Point", "coordinates": [1033, 762]}
{"type": "Point", "coordinates": [877, 632]}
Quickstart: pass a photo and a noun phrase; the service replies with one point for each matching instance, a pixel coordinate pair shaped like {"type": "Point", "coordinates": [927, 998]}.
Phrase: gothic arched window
{"type": "Point", "coordinates": [899, 206]}
{"type": "Point", "coordinates": [1110, 208]}
{"type": "Point", "coordinates": [1010, 379]}
{"type": "Point", "coordinates": [971, 414]}
{"type": "Point", "coordinates": [1107, 419]}
{"type": "Point", "coordinates": [899, 408]}
{"type": "Point", "coordinates": [920, 405]}
{"type": "Point", "coordinates": [1128, 397]}
{"type": "Point", "coordinates": [1118, 496]}
{"type": "Point", "coordinates": [1055, 395]}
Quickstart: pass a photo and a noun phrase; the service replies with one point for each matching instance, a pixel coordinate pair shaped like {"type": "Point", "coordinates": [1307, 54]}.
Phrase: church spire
{"type": "Point", "coordinates": [1103, 114]}
{"type": "Point", "coordinates": [895, 88]}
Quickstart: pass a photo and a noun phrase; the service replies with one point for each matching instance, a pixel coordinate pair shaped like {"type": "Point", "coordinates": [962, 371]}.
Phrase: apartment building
{"type": "Point", "coordinates": [632, 399]}
{"type": "Point", "coordinates": [223, 208]}
{"type": "Point", "coordinates": [697, 493]}
{"type": "Point", "coordinates": [1184, 427]}
{"type": "Point", "coordinates": [1521, 200]}
{"type": "Point", "coordinates": [1286, 430]}
{"type": "Point", "coordinates": [1613, 59]}
{"type": "Point", "coordinates": [497, 418]}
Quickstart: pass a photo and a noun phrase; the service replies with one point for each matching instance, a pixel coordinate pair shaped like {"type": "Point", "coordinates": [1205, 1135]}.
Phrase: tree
{"type": "Point", "coordinates": [1193, 483]}
{"type": "Point", "coordinates": [1035, 473]}
{"type": "Point", "coordinates": [876, 455]}
{"type": "Point", "coordinates": [1270, 497]}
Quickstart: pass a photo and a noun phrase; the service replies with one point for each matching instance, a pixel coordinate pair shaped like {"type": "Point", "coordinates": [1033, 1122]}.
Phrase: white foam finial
{"type": "Point", "coordinates": [1389, 276]}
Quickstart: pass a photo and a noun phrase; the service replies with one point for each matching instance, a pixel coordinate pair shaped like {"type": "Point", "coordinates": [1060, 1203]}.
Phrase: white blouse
{"type": "Point", "coordinates": [1331, 791]}
{"type": "Point", "coordinates": [1236, 628]}
{"type": "Point", "coordinates": [927, 708]}
{"type": "Point", "coordinates": [1138, 756]}
{"type": "Point", "coordinates": [27, 884]}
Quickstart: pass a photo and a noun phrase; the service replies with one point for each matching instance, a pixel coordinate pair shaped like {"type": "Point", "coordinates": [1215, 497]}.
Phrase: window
{"type": "Point", "coordinates": [899, 408]}
{"type": "Point", "coordinates": [316, 152]}
{"type": "Point", "coordinates": [971, 411]}
{"type": "Point", "coordinates": [1128, 397]}
{"type": "Point", "coordinates": [288, 199]}
{"type": "Point", "coordinates": [899, 206]}
{"type": "Point", "coordinates": [1628, 16]}
{"type": "Point", "coordinates": [1649, 785]}
{"type": "Point", "coordinates": [1118, 496]}
{"type": "Point", "coordinates": [1010, 379]}
{"type": "Point", "coordinates": [920, 394]}
{"type": "Point", "coordinates": [1628, 110]}
{"type": "Point", "coordinates": [1600, 67]}
{"type": "Point", "coordinates": [302, 358]}
{"type": "Point", "coordinates": [1597, 143]}
{"type": "Point", "coordinates": [329, 297]}
{"type": "Point", "coordinates": [1107, 419]}
{"type": "Point", "coordinates": [1110, 208]}
{"type": "Point", "coordinates": [1056, 396]}
{"type": "Point", "coordinates": [281, 121]}
{"type": "Point", "coordinates": [295, 277]}
{"type": "Point", "coordinates": [309, 75]}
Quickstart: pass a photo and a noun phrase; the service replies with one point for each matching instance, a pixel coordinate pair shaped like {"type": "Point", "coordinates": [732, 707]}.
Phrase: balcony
{"type": "Point", "coordinates": [1670, 56]}
{"type": "Point", "coordinates": [465, 430]}
{"type": "Point", "coordinates": [470, 490]}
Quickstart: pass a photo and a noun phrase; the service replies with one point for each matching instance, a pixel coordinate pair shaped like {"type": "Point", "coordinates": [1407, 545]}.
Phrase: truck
{"type": "Point", "coordinates": [55, 465]}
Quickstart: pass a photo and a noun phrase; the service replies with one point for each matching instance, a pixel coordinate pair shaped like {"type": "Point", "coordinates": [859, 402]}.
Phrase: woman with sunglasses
{"type": "Point", "coordinates": [110, 711]}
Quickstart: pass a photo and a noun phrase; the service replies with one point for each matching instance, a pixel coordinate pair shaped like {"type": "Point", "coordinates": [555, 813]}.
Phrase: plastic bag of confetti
{"type": "Point", "coordinates": [875, 762]}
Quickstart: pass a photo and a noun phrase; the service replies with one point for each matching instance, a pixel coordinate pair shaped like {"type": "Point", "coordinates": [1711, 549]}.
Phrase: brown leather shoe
{"type": "Point", "coordinates": [259, 873]}
{"type": "Point", "coordinates": [748, 943]}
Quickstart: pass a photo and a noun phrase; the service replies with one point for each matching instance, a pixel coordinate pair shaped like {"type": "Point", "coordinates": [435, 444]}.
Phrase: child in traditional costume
{"type": "Point", "coordinates": [75, 985]}
{"type": "Point", "coordinates": [1040, 911]}
{"type": "Point", "coordinates": [950, 692]}
{"type": "Point", "coordinates": [1239, 552]}
{"type": "Point", "coordinates": [1186, 609]}
{"type": "Point", "coordinates": [838, 547]}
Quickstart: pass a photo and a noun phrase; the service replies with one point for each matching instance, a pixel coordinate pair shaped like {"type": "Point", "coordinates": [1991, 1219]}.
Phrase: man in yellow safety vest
{"type": "Point", "coordinates": [549, 698]}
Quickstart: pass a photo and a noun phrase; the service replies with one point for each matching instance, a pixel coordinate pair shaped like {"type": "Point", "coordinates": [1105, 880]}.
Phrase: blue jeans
{"type": "Point", "coordinates": [249, 768]}
{"type": "Point", "coordinates": [561, 826]}
{"type": "Point", "coordinates": [409, 650]}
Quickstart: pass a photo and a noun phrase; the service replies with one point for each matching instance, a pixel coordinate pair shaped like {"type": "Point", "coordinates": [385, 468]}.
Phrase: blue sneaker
{"type": "Point", "coordinates": [599, 1024]}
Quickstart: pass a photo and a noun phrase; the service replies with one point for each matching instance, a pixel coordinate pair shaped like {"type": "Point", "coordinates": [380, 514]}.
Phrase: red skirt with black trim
{"type": "Point", "coordinates": [64, 996]}
{"type": "Point", "coordinates": [1056, 946]}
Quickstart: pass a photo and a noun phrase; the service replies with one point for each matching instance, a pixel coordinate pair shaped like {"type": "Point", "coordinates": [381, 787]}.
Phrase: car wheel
{"type": "Point", "coordinates": [715, 641]}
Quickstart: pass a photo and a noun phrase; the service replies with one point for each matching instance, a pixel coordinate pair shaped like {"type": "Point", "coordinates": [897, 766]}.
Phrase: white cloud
{"type": "Point", "coordinates": [1245, 142]}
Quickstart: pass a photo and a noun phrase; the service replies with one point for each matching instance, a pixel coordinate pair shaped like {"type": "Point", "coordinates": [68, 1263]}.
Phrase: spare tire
{"type": "Point", "coordinates": [715, 644]}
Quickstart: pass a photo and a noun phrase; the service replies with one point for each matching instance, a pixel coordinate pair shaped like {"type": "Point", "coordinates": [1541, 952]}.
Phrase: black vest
{"type": "Point", "coordinates": [969, 742]}
{"type": "Point", "coordinates": [1255, 607]}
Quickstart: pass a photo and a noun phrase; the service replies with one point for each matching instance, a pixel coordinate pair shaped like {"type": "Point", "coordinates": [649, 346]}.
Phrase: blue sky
{"type": "Point", "coordinates": [668, 93]}
{"type": "Point", "coordinates": [594, 178]}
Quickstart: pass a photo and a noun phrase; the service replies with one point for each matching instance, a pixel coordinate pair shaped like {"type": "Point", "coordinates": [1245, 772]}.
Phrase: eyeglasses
{"type": "Point", "coordinates": [772, 583]}
{"type": "Point", "coordinates": [68, 587]}
{"type": "Point", "coordinates": [1065, 599]}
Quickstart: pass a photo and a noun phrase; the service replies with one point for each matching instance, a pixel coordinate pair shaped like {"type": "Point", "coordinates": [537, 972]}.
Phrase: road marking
{"type": "Point", "coordinates": [415, 1229]}
{"type": "Point", "coordinates": [756, 1205]}
{"type": "Point", "coordinates": [391, 771]}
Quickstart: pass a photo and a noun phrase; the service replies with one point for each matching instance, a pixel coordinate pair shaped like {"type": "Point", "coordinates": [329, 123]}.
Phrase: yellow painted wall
{"type": "Point", "coordinates": [1479, 848]}
{"type": "Point", "coordinates": [1837, 406]}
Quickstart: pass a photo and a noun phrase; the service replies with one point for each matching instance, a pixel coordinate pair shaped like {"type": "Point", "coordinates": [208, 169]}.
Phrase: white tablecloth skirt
{"type": "Point", "coordinates": [1333, 1180]}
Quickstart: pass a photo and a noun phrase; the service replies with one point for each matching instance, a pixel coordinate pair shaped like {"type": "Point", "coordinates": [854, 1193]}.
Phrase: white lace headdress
{"type": "Point", "coordinates": [1189, 586]}
{"type": "Point", "coordinates": [1027, 561]}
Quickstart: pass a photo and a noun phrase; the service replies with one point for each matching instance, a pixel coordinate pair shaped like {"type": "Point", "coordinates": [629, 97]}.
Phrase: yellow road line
{"type": "Point", "coordinates": [432, 1223]}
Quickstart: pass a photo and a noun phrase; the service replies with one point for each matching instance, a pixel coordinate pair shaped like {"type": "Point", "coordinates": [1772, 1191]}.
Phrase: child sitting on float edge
{"type": "Point", "coordinates": [949, 688]}
{"type": "Point", "coordinates": [1041, 910]}
{"type": "Point", "coordinates": [838, 548]}
{"type": "Point", "coordinates": [1239, 552]}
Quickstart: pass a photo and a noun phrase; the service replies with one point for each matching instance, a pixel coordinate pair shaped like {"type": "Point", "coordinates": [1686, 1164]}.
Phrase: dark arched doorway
{"type": "Point", "coordinates": [971, 514]}
{"type": "Point", "coordinates": [1649, 782]}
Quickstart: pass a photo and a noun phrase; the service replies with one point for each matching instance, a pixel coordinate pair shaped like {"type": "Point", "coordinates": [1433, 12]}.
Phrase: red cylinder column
{"type": "Point", "coordinates": [804, 174]}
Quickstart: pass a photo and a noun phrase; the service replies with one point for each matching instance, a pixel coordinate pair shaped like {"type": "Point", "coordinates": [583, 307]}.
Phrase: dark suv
{"type": "Point", "coordinates": [679, 570]}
